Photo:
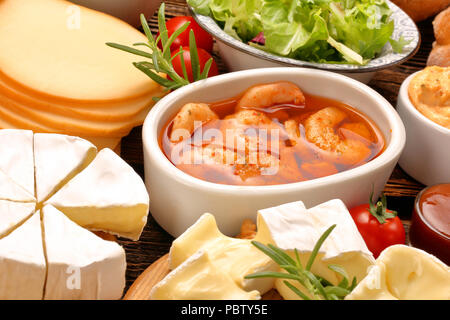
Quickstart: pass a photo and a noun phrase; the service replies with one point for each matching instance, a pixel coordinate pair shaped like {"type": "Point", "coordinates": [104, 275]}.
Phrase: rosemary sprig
{"type": "Point", "coordinates": [318, 287]}
{"type": "Point", "coordinates": [161, 60]}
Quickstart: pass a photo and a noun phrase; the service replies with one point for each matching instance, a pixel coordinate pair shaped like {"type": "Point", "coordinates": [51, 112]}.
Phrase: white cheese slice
{"type": "Point", "coordinates": [106, 196]}
{"type": "Point", "coordinates": [292, 226]}
{"type": "Point", "coordinates": [57, 159]}
{"type": "Point", "coordinates": [12, 214]}
{"type": "Point", "coordinates": [198, 278]}
{"type": "Point", "coordinates": [404, 273]}
{"type": "Point", "coordinates": [80, 264]}
{"type": "Point", "coordinates": [16, 157]}
{"type": "Point", "coordinates": [233, 257]}
{"type": "Point", "coordinates": [64, 54]}
{"type": "Point", "coordinates": [22, 262]}
{"type": "Point", "coordinates": [9, 190]}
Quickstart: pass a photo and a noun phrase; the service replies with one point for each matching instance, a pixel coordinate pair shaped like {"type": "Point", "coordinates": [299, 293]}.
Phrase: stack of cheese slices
{"type": "Point", "coordinates": [58, 76]}
{"type": "Point", "coordinates": [53, 188]}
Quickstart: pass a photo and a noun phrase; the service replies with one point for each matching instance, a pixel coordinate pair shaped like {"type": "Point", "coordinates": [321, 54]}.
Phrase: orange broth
{"type": "Point", "coordinates": [290, 170]}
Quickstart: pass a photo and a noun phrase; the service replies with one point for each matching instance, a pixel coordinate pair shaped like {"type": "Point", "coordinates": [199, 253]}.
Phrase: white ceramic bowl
{"type": "Point", "coordinates": [177, 199]}
{"type": "Point", "coordinates": [240, 56]}
{"type": "Point", "coordinates": [426, 157]}
{"type": "Point", "coordinates": [127, 10]}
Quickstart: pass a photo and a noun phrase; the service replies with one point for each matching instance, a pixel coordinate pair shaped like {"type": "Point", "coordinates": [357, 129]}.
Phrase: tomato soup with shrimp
{"type": "Point", "coordinates": [270, 134]}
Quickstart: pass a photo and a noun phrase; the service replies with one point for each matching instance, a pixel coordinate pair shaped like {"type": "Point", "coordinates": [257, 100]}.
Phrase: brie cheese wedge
{"type": "Point", "coordinates": [57, 159]}
{"type": "Point", "coordinates": [404, 273]}
{"type": "Point", "coordinates": [106, 196]}
{"type": "Point", "coordinates": [9, 190]}
{"type": "Point", "coordinates": [80, 264]}
{"type": "Point", "coordinates": [22, 262]}
{"type": "Point", "coordinates": [198, 278]}
{"type": "Point", "coordinates": [233, 257]}
{"type": "Point", "coordinates": [12, 214]}
{"type": "Point", "coordinates": [292, 226]}
{"type": "Point", "coordinates": [16, 157]}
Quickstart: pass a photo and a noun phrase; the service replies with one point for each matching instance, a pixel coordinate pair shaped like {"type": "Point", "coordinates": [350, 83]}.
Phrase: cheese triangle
{"type": "Point", "coordinates": [9, 190]}
{"type": "Point", "coordinates": [16, 157]}
{"type": "Point", "coordinates": [198, 278]}
{"type": "Point", "coordinates": [57, 159]}
{"type": "Point", "coordinates": [64, 54]}
{"type": "Point", "coordinates": [22, 262]}
{"type": "Point", "coordinates": [12, 214]}
{"type": "Point", "coordinates": [106, 196]}
{"type": "Point", "coordinates": [81, 265]}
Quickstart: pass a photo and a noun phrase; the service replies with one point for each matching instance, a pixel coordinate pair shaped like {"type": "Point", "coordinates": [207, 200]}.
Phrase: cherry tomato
{"type": "Point", "coordinates": [379, 227]}
{"type": "Point", "coordinates": [203, 57]}
{"type": "Point", "coordinates": [202, 38]}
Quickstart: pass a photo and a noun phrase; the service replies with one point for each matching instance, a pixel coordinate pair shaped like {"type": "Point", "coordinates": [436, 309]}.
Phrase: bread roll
{"type": "Point", "coordinates": [441, 25]}
{"type": "Point", "coordinates": [439, 56]}
{"type": "Point", "coordinates": [421, 9]}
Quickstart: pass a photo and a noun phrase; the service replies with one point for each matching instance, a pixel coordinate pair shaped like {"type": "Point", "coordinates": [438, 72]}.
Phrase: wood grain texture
{"type": "Point", "coordinates": [400, 189]}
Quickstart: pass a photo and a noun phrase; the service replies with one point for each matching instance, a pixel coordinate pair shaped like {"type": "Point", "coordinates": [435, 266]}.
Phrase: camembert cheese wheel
{"type": "Point", "coordinates": [105, 194]}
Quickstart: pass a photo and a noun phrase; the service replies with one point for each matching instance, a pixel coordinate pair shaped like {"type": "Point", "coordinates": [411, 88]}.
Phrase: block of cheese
{"type": "Point", "coordinates": [198, 278]}
{"type": "Point", "coordinates": [113, 111]}
{"type": "Point", "coordinates": [57, 159]}
{"type": "Point", "coordinates": [106, 196]}
{"type": "Point", "coordinates": [233, 257]}
{"type": "Point", "coordinates": [64, 55]}
{"type": "Point", "coordinates": [16, 157]}
{"type": "Point", "coordinates": [80, 264]}
{"type": "Point", "coordinates": [12, 214]}
{"type": "Point", "coordinates": [404, 273]}
{"type": "Point", "coordinates": [292, 226]}
{"type": "Point", "coordinates": [22, 262]}
{"type": "Point", "coordinates": [9, 190]}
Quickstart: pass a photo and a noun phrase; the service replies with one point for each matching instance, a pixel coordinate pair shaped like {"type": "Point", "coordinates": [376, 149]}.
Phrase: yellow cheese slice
{"type": "Point", "coordinates": [99, 142]}
{"type": "Point", "coordinates": [19, 115]}
{"type": "Point", "coordinates": [57, 49]}
{"type": "Point", "coordinates": [122, 111]}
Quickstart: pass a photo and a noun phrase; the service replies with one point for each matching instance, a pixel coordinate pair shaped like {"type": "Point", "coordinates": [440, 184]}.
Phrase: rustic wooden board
{"type": "Point", "coordinates": [400, 189]}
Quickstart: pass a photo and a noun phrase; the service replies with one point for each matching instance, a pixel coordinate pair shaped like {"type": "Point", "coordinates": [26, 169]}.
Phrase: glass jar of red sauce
{"type": "Point", "coordinates": [430, 223]}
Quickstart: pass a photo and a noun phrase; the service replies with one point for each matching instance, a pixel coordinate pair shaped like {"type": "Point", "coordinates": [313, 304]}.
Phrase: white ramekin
{"type": "Point", "coordinates": [177, 199]}
{"type": "Point", "coordinates": [426, 157]}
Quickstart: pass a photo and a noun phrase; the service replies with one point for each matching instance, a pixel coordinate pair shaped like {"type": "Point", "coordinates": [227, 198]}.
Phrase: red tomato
{"type": "Point", "coordinates": [377, 235]}
{"type": "Point", "coordinates": [203, 57]}
{"type": "Point", "coordinates": [202, 38]}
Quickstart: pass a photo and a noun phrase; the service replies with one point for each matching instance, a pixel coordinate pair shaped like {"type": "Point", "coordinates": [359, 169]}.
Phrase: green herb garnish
{"type": "Point", "coordinates": [318, 287]}
{"type": "Point", "coordinates": [161, 60]}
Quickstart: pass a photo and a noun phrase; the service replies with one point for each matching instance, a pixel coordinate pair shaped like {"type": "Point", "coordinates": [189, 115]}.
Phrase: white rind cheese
{"type": "Point", "coordinates": [12, 214]}
{"type": "Point", "coordinates": [80, 264]}
{"type": "Point", "coordinates": [9, 190]}
{"type": "Point", "coordinates": [292, 226]}
{"type": "Point", "coordinates": [16, 157]}
{"type": "Point", "coordinates": [106, 196]}
{"type": "Point", "coordinates": [198, 278]}
{"type": "Point", "coordinates": [22, 262]}
{"type": "Point", "coordinates": [233, 257]}
{"type": "Point", "coordinates": [404, 273]}
{"type": "Point", "coordinates": [57, 159]}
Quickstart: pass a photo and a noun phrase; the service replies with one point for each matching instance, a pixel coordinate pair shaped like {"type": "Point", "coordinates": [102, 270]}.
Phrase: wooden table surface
{"type": "Point", "coordinates": [400, 189]}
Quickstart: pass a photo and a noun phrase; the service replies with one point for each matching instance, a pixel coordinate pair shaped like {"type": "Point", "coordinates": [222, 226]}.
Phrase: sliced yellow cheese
{"type": "Point", "coordinates": [120, 112]}
{"type": "Point", "coordinates": [19, 114]}
{"type": "Point", "coordinates": [57, 49]}
{"type": "Point", "coordinates": [233, 257]}
{"type": "Point", "coordinates": [106, 196]}
{"type": "Point", "coordinates": [99, 142]}
{"type": "Point", "coordinates": [57, 159]}
{"type": "Point", "coordinates": [404, 273]}
{"type": "Point", "coordinates": [199, 279]}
